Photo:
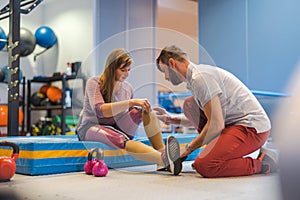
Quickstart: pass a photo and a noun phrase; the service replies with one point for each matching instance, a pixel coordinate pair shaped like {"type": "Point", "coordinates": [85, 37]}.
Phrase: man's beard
{"type": "Point", "coordinates": [174, 77]}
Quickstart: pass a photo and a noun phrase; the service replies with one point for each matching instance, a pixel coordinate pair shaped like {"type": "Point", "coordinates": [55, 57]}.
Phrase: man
{"type": "Point", "coordinates": [227, 116]}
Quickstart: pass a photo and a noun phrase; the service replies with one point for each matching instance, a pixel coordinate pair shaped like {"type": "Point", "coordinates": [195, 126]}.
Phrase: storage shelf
{"type": "Point", "coordinates": [46, 79]}
{"type": "Point", "coordinates": [54, 107]}
{"type": "Point", "coordinates": [49, 80]}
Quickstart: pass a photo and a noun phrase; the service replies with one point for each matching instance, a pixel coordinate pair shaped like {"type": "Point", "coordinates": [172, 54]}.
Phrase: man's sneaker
{"type": "Point", "coordinates": [171, 156]}
{"type": "Point", "coordinates": [269, 161]}
{"type": "Point", "coordinates": [161, 168]}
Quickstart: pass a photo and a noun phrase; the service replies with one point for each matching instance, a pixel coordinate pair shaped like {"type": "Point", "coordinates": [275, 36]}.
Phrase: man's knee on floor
{"type": "Point", "coordinates": [206, 167]}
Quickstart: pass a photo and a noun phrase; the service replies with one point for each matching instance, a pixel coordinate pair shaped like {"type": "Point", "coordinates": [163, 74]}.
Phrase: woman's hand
{"type": "Point", "coordinates": [144, 103]}
{"type": "Point", "coordinates": [162, 115]}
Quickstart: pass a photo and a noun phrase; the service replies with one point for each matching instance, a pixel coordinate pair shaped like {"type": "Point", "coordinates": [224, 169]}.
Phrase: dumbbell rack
{"type": "Point", "coordinates": [48, 80]}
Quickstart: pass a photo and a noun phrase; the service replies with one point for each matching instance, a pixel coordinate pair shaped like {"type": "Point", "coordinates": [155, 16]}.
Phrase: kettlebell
{"type": "Point", "coordinates": [96, 166]}
{"type": "Point", "coordinates": [8, 164]}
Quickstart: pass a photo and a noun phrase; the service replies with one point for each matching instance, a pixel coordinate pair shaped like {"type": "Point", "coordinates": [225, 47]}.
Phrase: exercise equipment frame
{"type": "Point", "coordinates": [13, 10]}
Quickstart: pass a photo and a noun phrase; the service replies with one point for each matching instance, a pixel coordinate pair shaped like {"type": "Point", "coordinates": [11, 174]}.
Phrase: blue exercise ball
{"type": "Point", "coordinates": [5, 70]}
{"type": "Point", "coordinates": [27, 42]}
{"type": "Point", "coordinates": [45, 37]}
{"type": "Point", "coordinates": [3, 39]}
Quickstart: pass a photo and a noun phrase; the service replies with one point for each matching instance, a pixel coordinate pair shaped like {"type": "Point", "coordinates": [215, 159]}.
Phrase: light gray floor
{"type": "Point", "coordinates": [140, 183]}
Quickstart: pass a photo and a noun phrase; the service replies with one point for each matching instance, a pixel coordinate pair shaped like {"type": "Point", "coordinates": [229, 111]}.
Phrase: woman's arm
{"type": "Point", "coordinates": [103, 109]}
{"type": "Point", "coordinates": [112, 109]}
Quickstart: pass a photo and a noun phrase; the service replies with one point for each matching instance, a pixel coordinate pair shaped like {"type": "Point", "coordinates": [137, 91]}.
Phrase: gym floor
{"type": "Point", "coordinates": [141, 182]}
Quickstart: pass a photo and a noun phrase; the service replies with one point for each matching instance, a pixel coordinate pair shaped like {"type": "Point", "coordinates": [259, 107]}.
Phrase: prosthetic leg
{"type": "Point", "coordinates": [152, 129]}
{"type": "Point", "coordinates": [144, 152]}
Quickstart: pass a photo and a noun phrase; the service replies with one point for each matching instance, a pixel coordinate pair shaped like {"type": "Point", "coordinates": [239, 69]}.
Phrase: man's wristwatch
{"type": "Point", "coordinates": [188, 148]}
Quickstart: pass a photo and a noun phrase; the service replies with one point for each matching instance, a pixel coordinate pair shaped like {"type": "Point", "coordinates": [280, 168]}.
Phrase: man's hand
{"type": "Point", "coordinates": [184, 152]}
{"type": "Point", "coordinates": [162, 115]}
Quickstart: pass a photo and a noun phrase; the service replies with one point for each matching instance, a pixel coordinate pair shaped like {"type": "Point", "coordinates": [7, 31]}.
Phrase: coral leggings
{"type": "Point", "coordinates": [224, 155]}
{"type": "Point", "coordinates": [127, 124]}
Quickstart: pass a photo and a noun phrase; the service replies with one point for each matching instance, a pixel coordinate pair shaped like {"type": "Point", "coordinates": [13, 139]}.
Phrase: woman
{"type": "Point", "coordinates": [110, 115]}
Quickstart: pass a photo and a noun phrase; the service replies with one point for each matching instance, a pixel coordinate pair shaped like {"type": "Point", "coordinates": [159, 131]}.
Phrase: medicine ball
{"type": "Point", "coordinates": [5, 70]}
{"type": "Point", "coordinates": [44, 88]}
{"type": "Point", "coordinates": [45, 37]}
{"type": "Point", "coordinates": [54, 94]}
{"type": "Point", "coordinates": [3, 39]}
{"type": "Point", "coordinates": [27, 42]}
{"type": "Point", "coordinates": [4, 115]}
{"type": "Point", "coordinates": [36, 98]}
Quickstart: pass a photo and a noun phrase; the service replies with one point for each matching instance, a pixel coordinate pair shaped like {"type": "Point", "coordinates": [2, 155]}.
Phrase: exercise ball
{"type": "Point", "coordinates": [44, 88]}
{"type": "Point", "coordinates": [36, 98]}
{"type": "Point", "coordinates": [3, 39]}
{"type": "Point", "coordinates": [5, 70]}
{"type": "Point", "coordinates": [4, 114]}
{"type": "Point", "coordinates": [27, 42]}
{"type": "Point", "coordinates": [45, 37]}
{"type": "Point", "coordinates": [54, 94]}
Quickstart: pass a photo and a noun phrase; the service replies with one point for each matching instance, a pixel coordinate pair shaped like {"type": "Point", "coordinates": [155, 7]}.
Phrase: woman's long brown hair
{"type": "Point", "coordinates": [114, 61]}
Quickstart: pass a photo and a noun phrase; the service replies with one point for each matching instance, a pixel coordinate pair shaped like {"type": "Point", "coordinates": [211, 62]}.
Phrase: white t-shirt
{"type": "Point", "coordinates": [239, 105]}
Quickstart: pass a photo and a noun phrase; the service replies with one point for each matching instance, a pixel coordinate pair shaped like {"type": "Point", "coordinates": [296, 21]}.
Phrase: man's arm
{"type": "Point", "coordinates": [215, 124]}
{"type": "Point", "coordinates": [167, 118]}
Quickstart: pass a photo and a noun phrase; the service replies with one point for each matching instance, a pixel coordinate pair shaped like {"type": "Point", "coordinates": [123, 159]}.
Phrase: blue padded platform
{"type": "Point", "coordinates": [42, 155]}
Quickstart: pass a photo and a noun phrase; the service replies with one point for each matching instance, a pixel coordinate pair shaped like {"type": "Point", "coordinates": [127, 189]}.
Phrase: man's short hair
{"type": "Point", "coordinates": [170, 52]}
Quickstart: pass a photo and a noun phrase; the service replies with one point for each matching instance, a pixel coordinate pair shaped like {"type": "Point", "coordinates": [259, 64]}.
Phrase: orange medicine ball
{"type": "Point", "coordinates": [4, 115]}
{"type": "Point", "coordinates": [54, 94]}
{"type": "Point", "coordinates": [44, 89]}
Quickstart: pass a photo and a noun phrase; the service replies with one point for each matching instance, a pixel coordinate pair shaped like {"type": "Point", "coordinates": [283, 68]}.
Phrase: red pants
{"type": "Point", "coordinates": [224, 156]}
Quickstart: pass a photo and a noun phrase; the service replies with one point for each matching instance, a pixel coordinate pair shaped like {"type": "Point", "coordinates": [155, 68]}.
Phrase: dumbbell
{"type": "Point", "coordinates": [8, 164]}
{"type": "Point", "coordinates": [96, 166]}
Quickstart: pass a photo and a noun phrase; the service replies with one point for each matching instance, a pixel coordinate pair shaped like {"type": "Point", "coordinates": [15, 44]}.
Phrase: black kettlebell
{"type": "Point", "coordinates": [8, 164]}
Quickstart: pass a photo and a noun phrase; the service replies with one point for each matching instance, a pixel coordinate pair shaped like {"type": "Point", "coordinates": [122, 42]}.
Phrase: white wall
{"type": "Point", "coordinates": [72, 22]}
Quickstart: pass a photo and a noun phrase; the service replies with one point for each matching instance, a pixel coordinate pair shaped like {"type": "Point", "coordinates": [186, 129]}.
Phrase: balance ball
{"type": "Point", "coordinates": [3, 39]}
{"type": "Point", "coordinates": [4, 114]}
{"type": "Point", "coordinates": [5, 71]}
{"type": "Point", "coordinates": [45, 37]}
{"type": "Point", "coordinates": [27, 42]}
